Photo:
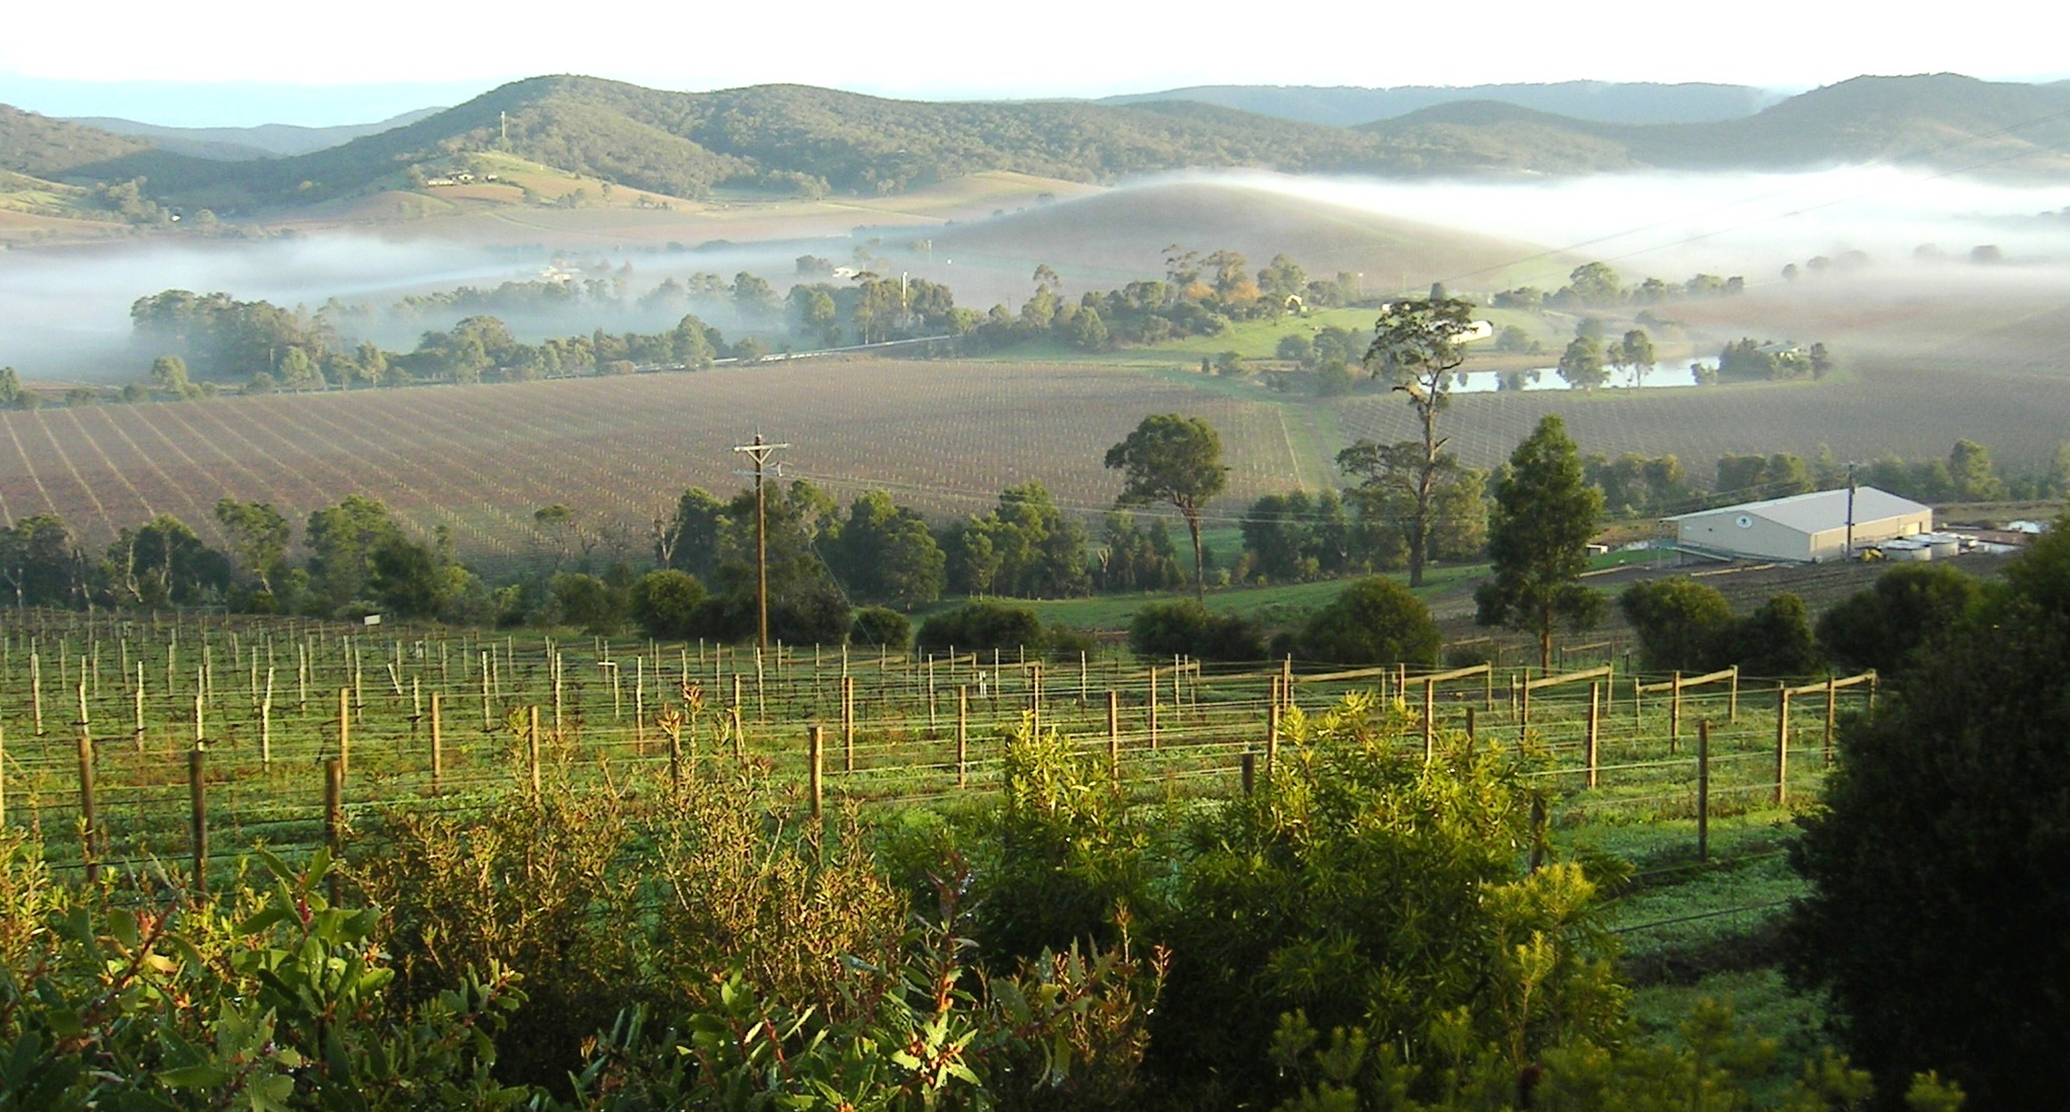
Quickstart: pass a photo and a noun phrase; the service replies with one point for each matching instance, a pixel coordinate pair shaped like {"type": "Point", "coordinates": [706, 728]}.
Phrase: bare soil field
{"type": "Point", "coordinates": [942, 436]}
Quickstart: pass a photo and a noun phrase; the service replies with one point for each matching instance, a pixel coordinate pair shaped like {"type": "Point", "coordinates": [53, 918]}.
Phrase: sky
{"type": "Point", "coordinates": [243, 62]}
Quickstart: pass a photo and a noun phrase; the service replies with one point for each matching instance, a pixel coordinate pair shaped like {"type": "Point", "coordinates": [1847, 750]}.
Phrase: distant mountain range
{"type": "Point", "coordinates": [1608, 102]}
{"type": "Point", "coordinates": [263, 141]}
{"type": "Point", "coordinates": [810, 140]}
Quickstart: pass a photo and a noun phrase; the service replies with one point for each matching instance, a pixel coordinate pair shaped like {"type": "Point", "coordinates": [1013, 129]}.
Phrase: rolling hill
{"type": "Point", "coordinates": [1610, 102]}
{"type": "Point", "coordinates": [260, 142]}
{"type": "Point", "coordinates": [1122, 234]}
{"type": "Point", "coordinates": [806, 141]}
{"type": "Point", "coordinates": [1945, 121]}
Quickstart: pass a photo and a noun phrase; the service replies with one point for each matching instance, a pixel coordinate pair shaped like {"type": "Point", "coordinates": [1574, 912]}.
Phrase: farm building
{"type": "Point", "coordinates": [1810, 527]}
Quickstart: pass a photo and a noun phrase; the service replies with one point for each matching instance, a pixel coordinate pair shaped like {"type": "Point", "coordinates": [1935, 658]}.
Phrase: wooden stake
{"type": "Point", "coordinates": [532, 749]}
{"type": "Point", "coordinates": [1115, 736]}
{"type": "Point", "coordinates": [1151, 708]}
{"type": "Point", "coordinates": [199, 820]}
{"type": "Point", "coordinates": [334, 821]}
{"type": "Point", "coordinates": [1704, 785]}
{"type": "Point", "coordinates": [1590, 741]}
{"type": "Point", "coordinates": [1430, 722]}
{"type": "Point", "coordinates": [848, 724]}
{"type": "Point", "coordinates": [815, 744]}
{"type": "Point", "coordinates": [1675, 711]}
{"type": "Point", "coordinates": [963, 712]}
{"type": "Point", "coordinates": [1244, 767]}
{"type": "Point", "coordinates": [438, 743]}
{"type": "Point", "coordinates": [89, 822]}
{"type": "Point", "coordinates": [1783, 740]}
{"type": "Point", "coordinates": [345, 733]}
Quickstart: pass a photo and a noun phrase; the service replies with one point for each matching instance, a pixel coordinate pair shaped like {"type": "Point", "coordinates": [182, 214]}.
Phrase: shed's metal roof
{"type": "Point", "coordinates": [1819, 510]}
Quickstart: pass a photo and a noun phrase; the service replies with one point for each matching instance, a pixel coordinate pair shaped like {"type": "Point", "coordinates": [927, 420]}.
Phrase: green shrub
{"type": "Point", "coordinates": [1877, 628]}
{"type": "Point", "coordinates": [1677, 621]}
{"type": "Point", "coordinates": [982, 626]}
{"type": "Point", "coordinates": [1186, 627]}
{"type": "Point", "coordinates": [880, 626]}
{"type": "Point", "coordinates": [665, 604]}
{"type": "Point", "coordinates": [1373, 620]}
{"type": "Point", "coordinates": [1938, 861]}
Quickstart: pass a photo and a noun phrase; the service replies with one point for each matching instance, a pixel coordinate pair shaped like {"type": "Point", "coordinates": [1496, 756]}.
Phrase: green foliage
{"type": "Point", "coordinates": [1373, 620]}
{"type": "Point", "coordinates": [269, 999]}
{"type": "Point", "coordinates": [881, 626]}
{"type": "Point", "coordinates": [1776, 640]}
{"type": "Point", "coordinates": [1938, 859]}
{"type": "Point", "coordinates": [665, 604]}
{"type": "Point", "coordinates": [1025, 546]}
{"type": "Point", "coordinates": [1881, 627]}
{"type": "Point", "coordinates": [1381, 897]}
{"type": "Point", "coordinates": [980, 625]}
{"type": "Point", "coordinates": [1172, 459]}
{"type": "Point", "coordinates": [582, 600]}
{"type": "Point", "coordinates": [1677, 622]}
{"type": "Point", "coordinates": [1545, 516]}
{"type": "Point", "coordinates": [1160, 630]}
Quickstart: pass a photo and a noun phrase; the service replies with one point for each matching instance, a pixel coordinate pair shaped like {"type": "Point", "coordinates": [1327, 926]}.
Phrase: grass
{"type": "Point", "coordinates": [1762, 1001]}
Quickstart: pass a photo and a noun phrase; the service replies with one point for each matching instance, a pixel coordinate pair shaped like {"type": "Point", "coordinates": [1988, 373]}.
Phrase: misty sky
{"type": "Point", "coordinates": [241, 62]}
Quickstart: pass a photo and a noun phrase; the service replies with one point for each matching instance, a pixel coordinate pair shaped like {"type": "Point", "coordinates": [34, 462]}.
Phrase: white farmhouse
{"type": "Point", "coordinates": [1817, 526]}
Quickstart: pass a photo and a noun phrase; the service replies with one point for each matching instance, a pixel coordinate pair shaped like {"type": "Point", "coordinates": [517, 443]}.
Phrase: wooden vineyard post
{"type": "Point", "coordinates": [1115, 736]}
{"type": "Point", "coordinates": [1244, 770]}
{"type": "Point", "coordinates": [1733, 694]}
{"type": "Point", "coordinates": [137, 697]}
{"type": "Point", "coordinates": [1082, 678]}
{"type": "Point", "coordinates": [1036, 699]}
{"type": "Point", "coordinates": [1704, 785]}
{"type": "Point", "coordinates": [1827, 732]}
{"type": "Point", "coordinates": [1675, 711]}
{"type": "Point", "coordinates": [1151, 708]}
{"type": "Point", "coordinates": [848, 725]}
{"type": "Point", "coordinates": [931, 694]}
{"type": "Point", "coordinates": [1429, 724]}
{"type": "Point", "coordinates": [36, 689]}
{"type": "Point", "coordinates": [199, 819]}
{"type": "Point", "coordinates": [963, 719]}
{"type": "Point", "coordinates": [1471, 729]}
{"type": "Point", "coordinates": [345, 733]}
{"type": "Point", "coordinates": [438, 743]}
{"type": "Point", "coordinates": [740, 737]}
{"type": "Point", "coordinates": [532, 749]}
{"type": "Point", "coordinates": [1524, 705]}
{"type": "Point", "coordinates": [3, 777]}
{"type": "Point", "coordinates": [815, 744]}
{"type": "Point", "coordinates": [334, 820]}
{"type": "Point", "coordinates": [88, 819]}
{"type": "Point", "coordinates": [1783, 739]}
{"type": "Point", "coordinates": [302, 680]}
{"type": "Point", "coordinates": [485, 692]}
{"type": "Point", "coordinates": [1636, 702]}
{"type": "Point", "coordinates": [1273, 738]}
{"type": "Point", "coordinates": [1590, 740]}
{"type": "Point", "coordinates": [1488, 697]}
{"type": "Point", "coordinates": [265, 723]}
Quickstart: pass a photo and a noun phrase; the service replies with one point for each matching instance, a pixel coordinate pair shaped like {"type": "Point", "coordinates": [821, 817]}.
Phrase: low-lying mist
{"type": "Point", "coordinates": [1665, 223]}
{"type": "Point", "coordinates": [64, 312]}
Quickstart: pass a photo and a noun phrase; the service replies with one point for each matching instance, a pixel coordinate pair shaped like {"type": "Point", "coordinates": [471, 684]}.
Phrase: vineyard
{"type": "Point", "coordinates": [480, 459]}
{"type": "Point", "coordinates": [178, 745]}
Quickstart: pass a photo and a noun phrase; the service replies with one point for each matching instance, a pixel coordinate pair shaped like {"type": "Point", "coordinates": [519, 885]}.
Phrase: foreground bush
{"type": "Point", "coordinates": [1938, 856]}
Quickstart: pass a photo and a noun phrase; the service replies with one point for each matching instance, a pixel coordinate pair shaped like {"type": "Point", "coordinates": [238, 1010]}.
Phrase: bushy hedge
{"type": "Point", "coordinates": [982, 626]}
{"type": "Point", "coordinates": [1186, 627]}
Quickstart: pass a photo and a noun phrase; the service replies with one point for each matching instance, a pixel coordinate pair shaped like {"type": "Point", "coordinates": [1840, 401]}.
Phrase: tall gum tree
{"type": "Point", "coordinates": [1172, 459]}
{"type": "Point", "coordinates": [1417, 346]}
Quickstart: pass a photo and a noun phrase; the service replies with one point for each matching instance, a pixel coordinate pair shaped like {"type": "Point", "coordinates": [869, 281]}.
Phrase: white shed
{"type": "Point", "coordinates": [1811, 527]}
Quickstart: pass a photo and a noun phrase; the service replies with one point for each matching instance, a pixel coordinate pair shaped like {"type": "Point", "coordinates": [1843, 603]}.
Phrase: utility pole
{"type": "Point", "coordinates": [759, 452]}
